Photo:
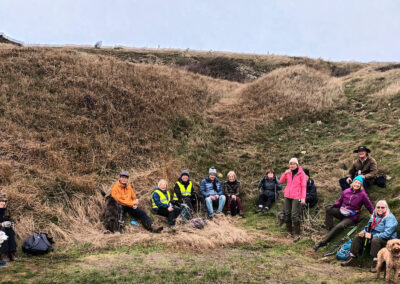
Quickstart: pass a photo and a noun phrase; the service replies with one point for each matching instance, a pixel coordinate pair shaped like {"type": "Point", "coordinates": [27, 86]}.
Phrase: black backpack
{"type": "Point", "coordinates": [37, 244]}
{"type": "Point", "coordinates": [381, 180]}
{"type": "Point", "coordinates": [234, 207]}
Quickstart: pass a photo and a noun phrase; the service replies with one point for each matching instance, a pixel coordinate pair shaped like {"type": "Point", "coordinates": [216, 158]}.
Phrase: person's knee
{"type": "Point", "coordinates": [222, 197]}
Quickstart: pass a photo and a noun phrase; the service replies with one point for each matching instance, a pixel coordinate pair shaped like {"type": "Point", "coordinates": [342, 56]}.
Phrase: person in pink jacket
{"type": "Point", "coordinates": [295, 195]}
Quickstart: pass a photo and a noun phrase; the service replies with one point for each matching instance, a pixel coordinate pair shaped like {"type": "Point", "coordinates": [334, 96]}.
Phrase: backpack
{"type": "Point", "coordinates": [344, 252]}
{"type": "Point", "coordinates": [381, 180]}
{"type": "Point", "coordinates": [37, 244]}
{"type": "Point", "coordinates": [234, 207]}
{"type": "Point", "coordinates": [198, 223]}
{"type": "Point", "coordinates": [186, 212]}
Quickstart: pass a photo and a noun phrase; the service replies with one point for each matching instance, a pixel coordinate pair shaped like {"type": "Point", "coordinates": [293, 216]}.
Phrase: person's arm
{"type": "Point", "coordinates": [237, 191]}
{"type": "Point", "coordinates": [390, 228]}
{"type": "Point", "coordinates": [157, 201]}
{"type": "Point", "coordinates": [339, 202]}
{"type": "Point", "coordinates": [260, 184]}
{"type": "Point", "coordinates": [115, 193]}
{"type": "Point", "coordinates": [278, 184]}
{"type": "Point", "coordinates": [373, 169]}
{"type": "Point", "coordinates": [178, 192]}
{"type": "Point", "coordinates": [220, 188]}
{"type": "Point", "coordinates": [353, 170]}
{"type": "Point", "coordinates": [203, 188]}
{"type": "Point", "coordinates": [283, 178]}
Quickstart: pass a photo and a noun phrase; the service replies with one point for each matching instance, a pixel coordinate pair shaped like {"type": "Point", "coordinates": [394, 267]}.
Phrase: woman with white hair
{"type": "Point", "coordinates": [295, 194]}
{"type": "Point", "coordinates": [161, 201]}
{"type": "Point", "coordinates": [381, 227]}
{"type": "Point", "coordinates": [232, 191]}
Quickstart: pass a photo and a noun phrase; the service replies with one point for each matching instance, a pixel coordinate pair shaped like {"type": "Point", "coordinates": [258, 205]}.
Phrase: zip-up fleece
{"type": "Point", "coordinates": [296, 187]}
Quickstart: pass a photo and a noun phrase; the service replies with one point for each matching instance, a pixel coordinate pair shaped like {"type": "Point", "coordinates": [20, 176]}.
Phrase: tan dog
{"type": "Point", "coordinates": [391, 255]}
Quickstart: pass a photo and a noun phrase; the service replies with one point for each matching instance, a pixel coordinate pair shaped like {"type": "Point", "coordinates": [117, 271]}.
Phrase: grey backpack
{"type": "Point", "coordinates": [37, 244]}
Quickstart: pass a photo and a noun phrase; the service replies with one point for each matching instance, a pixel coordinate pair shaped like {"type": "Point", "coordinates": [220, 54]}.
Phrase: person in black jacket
{"type": "Point", "coordinates": [232, 191]}
{"type": "Point", "coordinates": [184, 193]}
{"type": "Point", "coordinates": [8, 247]}
{"type": "Point", "coordinates": [269, 186]}
{"type": "Point", "coordinates": [311, 197]}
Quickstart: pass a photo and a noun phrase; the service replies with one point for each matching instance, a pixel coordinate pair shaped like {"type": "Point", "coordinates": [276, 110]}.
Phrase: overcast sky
{"type": "Point", "coordinates": [360, 30]}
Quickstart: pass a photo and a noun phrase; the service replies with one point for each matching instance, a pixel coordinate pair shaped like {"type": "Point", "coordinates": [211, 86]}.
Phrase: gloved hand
{"type": "Point", "coordinates": [6, 224]}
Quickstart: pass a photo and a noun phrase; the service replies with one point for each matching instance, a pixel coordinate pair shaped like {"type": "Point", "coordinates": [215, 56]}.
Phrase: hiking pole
{"type": "Point", "coordinates": [366, 240]}
{"type": "Point", "coordinates": [345, 238]}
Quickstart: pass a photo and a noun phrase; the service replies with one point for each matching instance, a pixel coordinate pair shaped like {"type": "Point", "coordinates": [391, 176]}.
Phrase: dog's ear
{"type": "Point", "coordinates": [390, 244]}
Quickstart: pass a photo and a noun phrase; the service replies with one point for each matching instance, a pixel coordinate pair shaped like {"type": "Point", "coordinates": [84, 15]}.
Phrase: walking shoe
{"type": "Point", "coordinates": [4, 257]}
{"type": "Point", "coordinates": [156, 229]}
{"type": "Point", "coordinates": [259, 209]}
{"type": "Point", "coordinates": [265, 209]}
{"type": "Point", "coordinates": [279, 222]}
{"type": "Point", "coordinates": [13, 256]}
{"type": "Point", "coordinates": [228, 212]}
{"type": "Point", "coordinates": [373, 266]}
{"type": "Point", "coordinates": [350, 261]}
{"type": "Point", "coordinates": [319, 245]}
{"type": "Point", "coordinates": [241, 213]}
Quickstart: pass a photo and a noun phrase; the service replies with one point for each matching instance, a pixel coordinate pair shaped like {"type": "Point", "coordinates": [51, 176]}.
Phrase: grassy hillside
{"type": "Point", "coordinates": [73, 118]}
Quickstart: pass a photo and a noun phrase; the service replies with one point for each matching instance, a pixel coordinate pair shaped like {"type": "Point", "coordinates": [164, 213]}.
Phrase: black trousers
{"type": "Point", "coordinates": [344, 223]}
{"type": "Point", "coordinates": [266, 199]}
{"type": "Point", "coordinates": [196, 203]}
{"type": "Point", "coordinates": [8, 246]}
{"type": "Point", "coordinates": [358, 242]}
{"type": "Point", "coordinates": [171, 215]}
{"type": "Point", "coordinates": [138, 214]}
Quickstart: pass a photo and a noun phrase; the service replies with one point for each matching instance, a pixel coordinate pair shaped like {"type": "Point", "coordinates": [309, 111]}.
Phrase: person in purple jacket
{"type": "Point", "coordinates": [347, 209]}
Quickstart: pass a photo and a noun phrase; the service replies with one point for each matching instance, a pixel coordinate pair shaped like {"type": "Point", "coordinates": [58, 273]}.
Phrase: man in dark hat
{"type": "Point", "coordinates": [184, 192]}
{"type": "Point", "coordinates": [123, 192]}
{"type": "Point", "coordinates": [364, 166]}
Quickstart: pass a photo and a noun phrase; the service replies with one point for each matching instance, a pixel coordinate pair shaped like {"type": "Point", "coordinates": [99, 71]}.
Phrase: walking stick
{"type": "Point", "coordinates": [339, 243]}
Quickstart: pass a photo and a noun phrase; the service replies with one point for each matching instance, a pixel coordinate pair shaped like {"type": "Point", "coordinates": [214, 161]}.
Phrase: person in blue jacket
{"type": "Point", "coordinates": [381, 227]}
{"type": "Point", "coordinates": [213, 192]}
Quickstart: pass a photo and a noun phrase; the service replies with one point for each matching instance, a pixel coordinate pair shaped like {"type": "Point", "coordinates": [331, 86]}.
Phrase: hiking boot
{"type": "Point", "coordinates": [241, 213]}
{"type": "Point", "coordinates": [156, 229]}
{"type": "Point", "coordinates": [297, 232]}
{"type": "Point", "coordinates": [319, 245]}
{"type": "Point", "coordinates": [373, 266]}
{"type": "Point", "coordinates": [4, 257]}
{"type": "Point", "coordinates": [350, 261]}
{"type": "Point", "coordinates": [13, 256]}
{"type": "Point", "coordinates": [289, 228]}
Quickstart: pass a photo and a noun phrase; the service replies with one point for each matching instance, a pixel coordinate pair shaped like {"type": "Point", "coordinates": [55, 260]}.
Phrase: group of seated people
{"type": "Point", "coordinates": [300, 191]}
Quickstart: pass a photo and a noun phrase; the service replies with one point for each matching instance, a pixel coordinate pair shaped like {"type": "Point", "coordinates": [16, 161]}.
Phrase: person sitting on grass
{"type": "Point", "coordinates": [161, 201]}
{"type": "Point", "coordinates": [364, 166]}
{"type": "Point", "coordinates": [269, 186]}
{"type": "Point", "coordinates": [123, 193]}
{"type": "Point", "coordinates": [212, 190]}
{"type": "Point", "coordinates": [9, 247]}
{"type": "Point", "coordinates": [381, 227]}
{"type": "Point", "coordinates": [232, 191]}
{"type": "Point", "coordinates": [184, 192]}
{"type": "Point", "coordinates": [347, 209]}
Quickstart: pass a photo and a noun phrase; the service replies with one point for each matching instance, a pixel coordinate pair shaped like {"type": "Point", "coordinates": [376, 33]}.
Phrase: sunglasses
{"type": "Point", "coordinates": [379, 207]}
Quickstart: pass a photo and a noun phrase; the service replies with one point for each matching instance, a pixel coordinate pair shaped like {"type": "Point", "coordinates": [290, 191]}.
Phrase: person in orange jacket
{"type": "Point", "coordinates": [123, 193]}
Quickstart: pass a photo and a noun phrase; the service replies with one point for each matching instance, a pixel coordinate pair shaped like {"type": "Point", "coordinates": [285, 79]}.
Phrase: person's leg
{"type": "Point", "coordinates": [172, 215]}
{"type": "Point", "coordinates": [239, 203]}
{"type": "Point", "coordinates": [221, 203]}
{"type": "Point", "coordinates": [376, 245]}
{"type": "Point", "coordinates": [345, 223]}
{"type": "Point", "coordinates": [331, 212]}
{"type": "Point", "coordinates": [142, 217]}
{"type": "Point", "coordinates": [209, 204]}
{"type": "Point", "coordinates": [281, 216]}
{"type": "Point", "coordinates": [188, 201]}
{"type": "Point", "coordinates": [343, 183]}
{"type": "Point", "coordinates": [288, 214]}
{"type": "Point", "coordinates": [229, 205]}
{"type": "Point", "coordinates": [296, 219]}
{"type": "Point", "coordinates": [261, 202]}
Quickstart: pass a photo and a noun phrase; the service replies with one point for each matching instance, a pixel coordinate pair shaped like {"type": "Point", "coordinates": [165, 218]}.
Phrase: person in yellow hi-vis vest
{"type": "Point", "coordinates": [184, 192]}
{"type": "Point", "coordinates": [161, 202]}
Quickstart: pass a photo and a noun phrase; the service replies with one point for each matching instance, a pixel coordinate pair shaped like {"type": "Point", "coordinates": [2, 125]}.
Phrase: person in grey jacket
{"type": "Point", "coordinates": [269, 186]}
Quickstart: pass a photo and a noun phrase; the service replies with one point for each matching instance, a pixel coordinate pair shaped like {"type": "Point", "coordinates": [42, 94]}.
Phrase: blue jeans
{"type": "Point", "coordinates": [221, 203]}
